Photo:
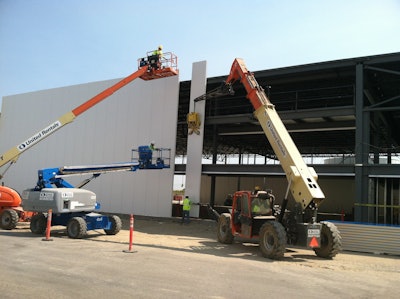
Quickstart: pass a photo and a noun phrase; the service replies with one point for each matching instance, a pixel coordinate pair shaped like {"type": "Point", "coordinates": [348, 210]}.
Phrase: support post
{"type": "Point", "coordinates": [361, 149]}
{"type": "Point", "coordinates": [195, 142]}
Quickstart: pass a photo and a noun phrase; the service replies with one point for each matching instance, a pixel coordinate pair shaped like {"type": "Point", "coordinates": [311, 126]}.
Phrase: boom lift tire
{"type": "Point", "coordinates": [9, 219]}
{"type": "Point", "coordinates": [116, 225]}
{"type": "Point", "coordinates": [76, 228]}
{"type": "Point", "coordinates": [272, 240]}
{"type": "Point", "coordinates": [224, 232]}
{"type": "Point", "coordinates": [331, 241]}
{"type": "Point", "coordinates": [38, 224]}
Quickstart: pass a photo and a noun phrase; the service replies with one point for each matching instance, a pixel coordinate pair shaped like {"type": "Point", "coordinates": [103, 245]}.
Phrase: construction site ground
{"type": "Point", "coordinates": [171, 260]}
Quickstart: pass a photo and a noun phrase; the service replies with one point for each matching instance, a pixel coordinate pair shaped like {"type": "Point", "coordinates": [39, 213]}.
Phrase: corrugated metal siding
{"type": "Point", "coordinates": [369, 238]}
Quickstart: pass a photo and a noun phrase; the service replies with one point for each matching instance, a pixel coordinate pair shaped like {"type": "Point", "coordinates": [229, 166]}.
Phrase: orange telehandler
{"type": "Point", "coordinates": [149, 68]}
{"type": "Point", "coordinates": [253, 214]}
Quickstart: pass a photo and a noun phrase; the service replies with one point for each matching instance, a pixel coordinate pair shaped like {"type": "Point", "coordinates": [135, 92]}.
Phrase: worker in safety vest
{"type": "Point", "coordinates": [186, 209]}
{"type": "Point", "coordinates": [255, 206]}
{"type": "Point", "coordinates": [159, 53]}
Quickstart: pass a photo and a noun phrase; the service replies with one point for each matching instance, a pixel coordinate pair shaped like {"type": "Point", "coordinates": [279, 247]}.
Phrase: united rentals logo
{"type": "Point", "coordinates": [38, 136]}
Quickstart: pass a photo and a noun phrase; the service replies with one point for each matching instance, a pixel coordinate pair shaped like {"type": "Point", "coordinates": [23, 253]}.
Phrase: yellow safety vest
{"type": "Point", "coordinates": [186, 204]}
{"type": "Point", "coordinates": [256, 209]}
{"type": "Point", "coordinates": [157, 52]}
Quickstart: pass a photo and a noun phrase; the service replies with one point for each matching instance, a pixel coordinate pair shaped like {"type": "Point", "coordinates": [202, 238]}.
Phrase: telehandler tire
{"type": "Point", "coordinates": [9, 219]}
{"type": "Point", "coordinates": [272, 240]}
{"type": "Point", "coordinates": [331, 241]}
{"type": "Point", "coordinates": [38, 224]}
{"type": "Point", "coordinates": [224, 232]}
{"type": "Point", "coordinates": [116, 225]}
{"type": "Point", "coordinates": [76, 228]}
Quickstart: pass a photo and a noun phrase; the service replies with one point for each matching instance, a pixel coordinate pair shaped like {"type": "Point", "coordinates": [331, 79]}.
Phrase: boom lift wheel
{"type": "Point", "coordinates": [38, 224]}
{"type": "Point", "coordinates": [331, 241]}
{"type": "Point", "coordinates": [9, 219]}
{"type": "Point", "coordinates": [272, 240]}
{"type": "Point", "coordinates": [76, 228]}
{"type": "Point", "coordinates": [116, 225]}
{"type": "Point", "coordinates": [224, 231]}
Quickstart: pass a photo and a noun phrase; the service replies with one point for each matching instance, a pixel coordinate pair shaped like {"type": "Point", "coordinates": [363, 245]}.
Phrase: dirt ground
{"type": "Point", "coordinates": [200, 235]}
{"type": "Point", "coordinates": [164, 248]}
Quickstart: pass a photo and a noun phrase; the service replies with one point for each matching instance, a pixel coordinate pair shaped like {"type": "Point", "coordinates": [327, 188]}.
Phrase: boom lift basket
{"type": "Point", "coordinates": [147, 158]}
{"type": "Point", "coordinates": [159, 67]}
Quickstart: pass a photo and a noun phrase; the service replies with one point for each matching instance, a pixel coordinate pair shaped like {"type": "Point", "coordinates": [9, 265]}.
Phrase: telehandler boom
{"type": "Point", "coordinates": [275, 226]}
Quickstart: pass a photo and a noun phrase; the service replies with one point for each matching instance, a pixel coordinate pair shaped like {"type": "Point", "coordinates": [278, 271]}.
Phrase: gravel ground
{"type": "Point", "coordinates": [171, 260]}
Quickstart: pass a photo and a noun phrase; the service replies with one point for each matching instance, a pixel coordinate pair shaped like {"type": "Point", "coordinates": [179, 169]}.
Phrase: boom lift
{"type": "Point", "coordinates": [149, 68]}
{"type": "Point", "coordinates": [74, 207]}
{"type": "Point", "coordinates": [274, 226]}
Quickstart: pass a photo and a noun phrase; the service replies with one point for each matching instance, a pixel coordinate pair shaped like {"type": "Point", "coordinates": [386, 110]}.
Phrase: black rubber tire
{"type": "Point", "coordinates": [76, 228]}
{"type": "Point", "coordinates": [38, 224]}
{"type": "Point", "coordinates": [272, 240]}
{"type": "Point", "coordinates": [224, 231]}
{"type": "Point", "coordinates": [331, 241]}
{"type": "Point", "coordinates": [9, 219]}
{"type": "Point", "coordinates": [116, 225]}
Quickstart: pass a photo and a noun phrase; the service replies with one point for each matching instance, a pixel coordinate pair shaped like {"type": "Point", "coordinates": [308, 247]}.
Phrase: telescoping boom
{"type": "Point", "coordinates": [301, 178]}
{"type": "Point", "coordinates": [148, 69]}
{"type": "Point", "coordinates": [255, 214]}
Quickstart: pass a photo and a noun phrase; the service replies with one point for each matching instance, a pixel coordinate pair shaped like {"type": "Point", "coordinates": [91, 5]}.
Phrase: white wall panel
{"type": "Point", "coordinates": [137, 114]}
{"type": "Point", "coordinates": [195, 142]}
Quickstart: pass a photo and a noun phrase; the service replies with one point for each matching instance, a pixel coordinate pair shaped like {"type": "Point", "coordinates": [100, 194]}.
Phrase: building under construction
{"type": "Point", "coordinates": [343, 116]}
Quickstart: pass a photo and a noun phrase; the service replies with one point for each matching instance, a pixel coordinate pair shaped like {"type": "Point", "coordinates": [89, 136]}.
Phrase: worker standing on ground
{"type": "Point", "coordinates": [186, 204]}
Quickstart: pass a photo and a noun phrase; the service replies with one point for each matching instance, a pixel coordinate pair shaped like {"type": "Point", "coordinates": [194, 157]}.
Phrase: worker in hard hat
{"type": "Point", "coordinates": [159, 53]}
{"type": "Point", "coordinates": [256, 189]}
{"type": "Point", "coordinates": [152, 146]}
{"type": "Point", "coordinates": [186, 204]}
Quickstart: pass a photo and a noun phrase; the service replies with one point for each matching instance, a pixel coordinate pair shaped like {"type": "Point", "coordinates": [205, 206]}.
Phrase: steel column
{"type": "Point", "coordinates": [361, 149]}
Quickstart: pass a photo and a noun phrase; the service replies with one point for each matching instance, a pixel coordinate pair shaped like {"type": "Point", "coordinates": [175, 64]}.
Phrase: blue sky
{"type": "Point", "coordinates": [52, 43]}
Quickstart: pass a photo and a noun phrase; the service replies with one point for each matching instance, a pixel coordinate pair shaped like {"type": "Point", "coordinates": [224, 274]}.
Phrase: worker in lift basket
{"type": "Point", "coordinates": [152, 146]}
{"type": "Point", "coordinates": [186, 204]}
{"type": "Point", "coordinates": [159, 53]}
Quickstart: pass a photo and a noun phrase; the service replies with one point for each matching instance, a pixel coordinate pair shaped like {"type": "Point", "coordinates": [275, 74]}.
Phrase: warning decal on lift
{"type": "Point", "coordinates": [314, 235]}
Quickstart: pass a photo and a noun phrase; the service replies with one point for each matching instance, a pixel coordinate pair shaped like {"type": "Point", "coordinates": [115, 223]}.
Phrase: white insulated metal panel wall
{"type": "Point", "coordinates": [140, 112]}
{"type": "Point", "coordinates": [195, 142]}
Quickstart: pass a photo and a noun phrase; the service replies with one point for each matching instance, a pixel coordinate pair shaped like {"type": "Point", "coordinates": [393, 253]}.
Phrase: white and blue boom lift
{"type": "Point", "coordinates": [74, 207]}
